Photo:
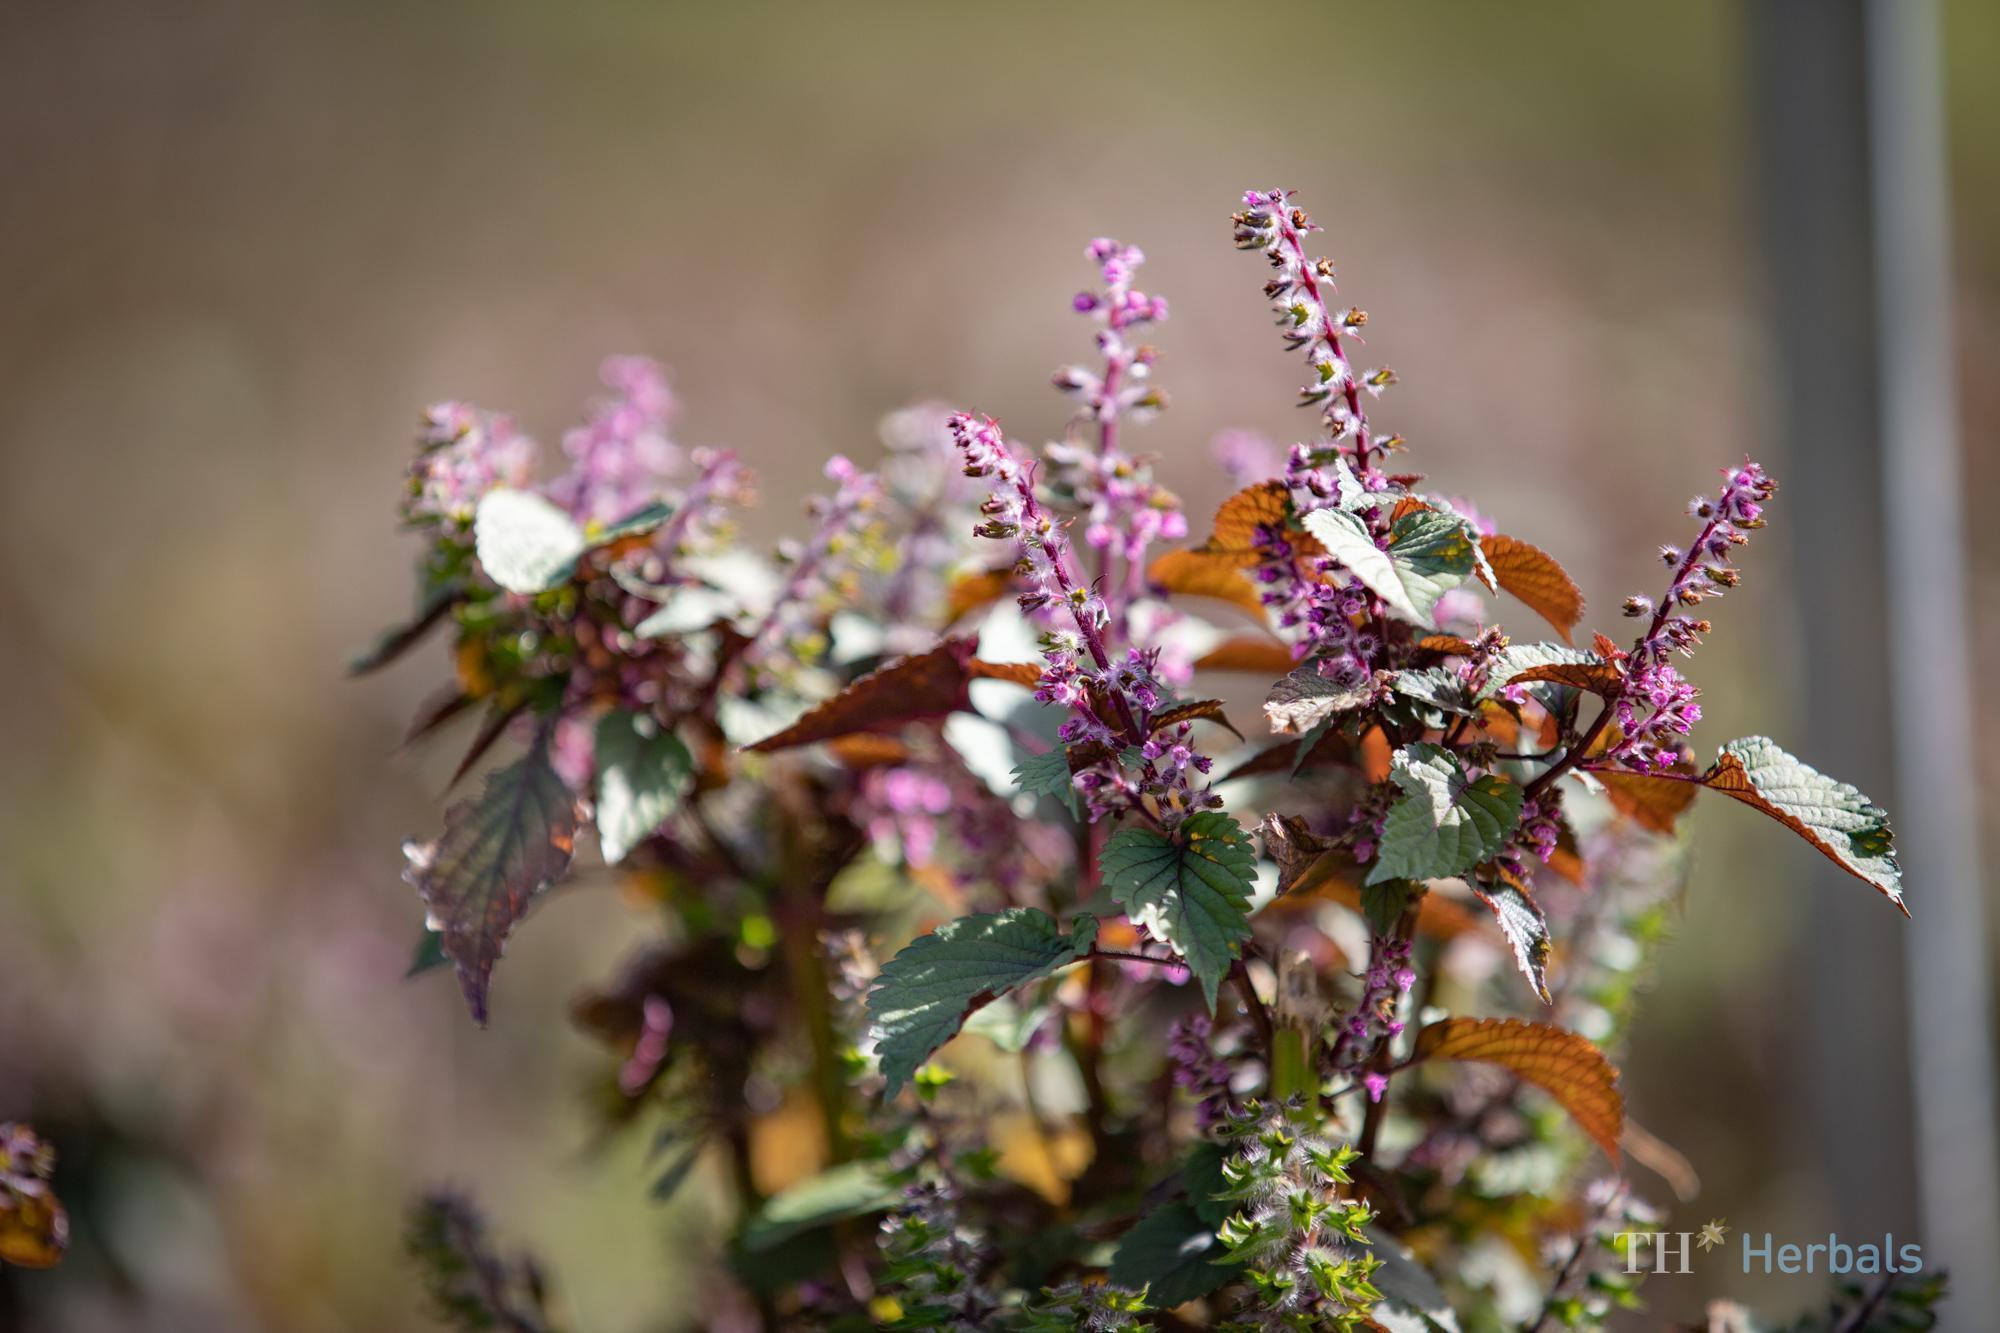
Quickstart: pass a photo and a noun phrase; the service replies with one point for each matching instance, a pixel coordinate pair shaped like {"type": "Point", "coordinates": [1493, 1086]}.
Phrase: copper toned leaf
{"type": "Point", "coordinates": [1203, 574]}
{"type": "Point", "coordinates": [1194, 710]}
{"type": "Point", "coordinates": [1536, 580]}
{"type": "Point", "coordinates": [1653, 801]}
{"type": "Point", "coordinates": [916, 688]}
{"type": "Point", "coordinates": [1556, 1060]}
{"type": "Point", "coordinates": [1597, 677]}
{"type": "Point", "coordinates": [1248, 652]}
{"type": "Point", "coordinates": [969, 592]}
{"type": "Point", "coordinates": [1267, 504]}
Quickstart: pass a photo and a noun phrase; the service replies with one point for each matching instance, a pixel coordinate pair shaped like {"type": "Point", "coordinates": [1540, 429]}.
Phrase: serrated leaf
{"type": "Point", "coordinates": [1655, 802]}
{"type": "Point", "coordinates": [1523, 923]}
{"type": "Point", "coordinates": [1445, 823]}
{"type": "Point", "coordinates": [1302, 699]}
{"type": "Point", "coordinates": [1193, 710]}
{"type": "Point", "coordinates": [1171, 1253]}
{"type": "Point", "coordinates": [524, 543]}
{"type": "Point", "coordinates": [1534, 577]}
{"type": "Point", "coordinates": [1430, 552]}
{"type": "Point", "coordinates": [497, 853]}
{"type": "Point", "coordinates": [1245, 652]}
{"type": "Point", "coordinates": [1517, 658]}
{"type": "Point", "coordinates": [1268, 504]}
{"type": "Point", "coordinates": [1561, 1063]}
{"type": "Point", "coordinates": [642, 773]}
{"type": "Point", "coordinates": [848, 1190]}
{"type": "Point", "coordinates": [1382, 903]}
{"type": "Point", "coordinates": [1202, 1178]}
{"type": "Point", "coordinates": [1848, 827]}
{"type": "Point", "coordinates": [916, 688]}
{"type": "Point", "coordinates": [1048, 774]}
{"type": "Point", "coordinates": [925, 993]}
{"type": "Point", "coordinates": [1202, 574]}
{"type": "Point", "coordinates": [1191, 890]}
{"type": "Point", "coordinates": [1437, 687]}
{"type": "Point", "coordinates": [1599, 678]}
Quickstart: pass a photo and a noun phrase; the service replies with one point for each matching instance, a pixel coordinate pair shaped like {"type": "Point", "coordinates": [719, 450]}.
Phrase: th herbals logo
{"type": "Point", "coordinates": [1673, 1252]}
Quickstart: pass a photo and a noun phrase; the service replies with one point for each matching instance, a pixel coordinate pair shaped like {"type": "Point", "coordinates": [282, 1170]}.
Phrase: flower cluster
{"type": "Point", "coordinates": [1307, 1263]}
{"type": "Point", "coordinates": [1111, 704]}
{"type": "Point", "coordinates": [1125, 510]}
{"type": "Point", "coordinates": [844, 537]}
{"type": "Point", "coordinates": [1200, 1072]}
{"type": "Point", "coordinates": [620, 459]}
{"type": "Point", "coordinates": [1375, 1019]}
{"type": "Point", "coordinates": [1269, 222]}
{"type": "Point", "coordinates": [462, 453]}
{"type": "Point", "coordinates": [1651, 738]}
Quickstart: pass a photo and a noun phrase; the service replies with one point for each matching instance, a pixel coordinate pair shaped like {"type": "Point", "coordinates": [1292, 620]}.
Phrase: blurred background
{"type": "Point", "coordinates": [242, 244]}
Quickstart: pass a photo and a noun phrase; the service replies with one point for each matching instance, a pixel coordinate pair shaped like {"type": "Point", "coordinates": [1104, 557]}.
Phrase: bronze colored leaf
{"type": "Point", "coordinates": [916, 688]}
{"type": "Point", "coordinates": [1561, 1063]}
{"type": "Point", "coordinates": [1267, 504]}
{"type": "Point", "coordinates": [1449, 644]}
{"type": "Point", "coordinates": [1194, 710]}
{"type": "Point", "coordinates": [1024, 674]}
{"type": "Point", "coordinates": [1653, 802]}
{"type": "Point", "coordinates": [1405, 507]}
{"type": "Point", "coordinates": [969, 592]}
{"type": "Point", "coordinates": [1248, 652]}
{"type": "Point", "coordinates": [1597, 677]}
{"type": "Point", "coordinates": [1533, 576]}
{"type": "Point", "coordinates": [1330, 748]}
{"type": "Point", "coordinates": [1207, 574]}
{"type": "Point", "coordinates": [863, 750]}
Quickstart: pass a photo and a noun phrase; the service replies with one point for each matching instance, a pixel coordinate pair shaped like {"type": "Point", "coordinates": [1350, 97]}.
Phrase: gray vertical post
{"type": "Point", "coordinates": [1847, 1022]}
{"type": "Point", "coordinates": [1932, 705]}
{"type": "Point", "coordinates": [1854, 195]}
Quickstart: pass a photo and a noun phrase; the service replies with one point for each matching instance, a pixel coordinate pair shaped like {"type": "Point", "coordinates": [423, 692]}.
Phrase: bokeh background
{"type": "Point", "coordinates": [241, 244]}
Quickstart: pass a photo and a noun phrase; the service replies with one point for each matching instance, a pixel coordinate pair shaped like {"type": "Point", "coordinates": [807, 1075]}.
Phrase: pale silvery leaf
{"type": "Point", "coordinates": [524, 543]}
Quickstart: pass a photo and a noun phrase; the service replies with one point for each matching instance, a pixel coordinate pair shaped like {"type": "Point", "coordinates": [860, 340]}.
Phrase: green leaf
{"type": "Point", "coordinates": [926, 992]}
{"type": "Point", "coordinates": [1526, 928]}
{"type": "Point", "coordinates": [1007, 1024]}
{"type": "Point", "coordinates": [1303, 699]}
{"type": "Point", "coordinates": [635, 524]}
{"type": "Point", "coordinates": [429, 953]}
{"type": "Point", "coordinates": [1411, 1297]}
{"type": "Point", "coordinates": [1191, 890]}
{"type": "Point", "coordinates": [1444, 823]}
{"type": "Point", "coordinates": [1202, 1178]}
{"type": "Point", "coordinates": [1047, 774]}
{"type": "Point", "coordinates": [1383, 901]}
{"type": "Point", "coordinates": [524, 543]}
{"type": "Point", "coordinates": [1832, 816]}
{"type": "Point", "coordinates": [1430, 553]}
{"type": "Point", "coordinates": [642, 773]}
{"type": "Point", "coordinates": [1170, 1252]}
{"type": "Point", "coordinates": [1438, 687]}
{"type": "Point", "coordinates": [848, 1190]}
{"type": "Point", "coordinates": [496, 854]}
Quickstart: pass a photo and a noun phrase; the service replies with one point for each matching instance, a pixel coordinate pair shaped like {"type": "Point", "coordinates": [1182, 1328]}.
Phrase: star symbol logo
{"type": "Point", "coordinates": [1711, 1235]}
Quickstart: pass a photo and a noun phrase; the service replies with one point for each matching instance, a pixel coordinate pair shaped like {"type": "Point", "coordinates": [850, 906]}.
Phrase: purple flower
{"type": "Point", "coordinates": [621, 458]}
{"type": "Point", "coordinates": [462, 454]}
{"type": "Point", "coordinates": [1658, 706]}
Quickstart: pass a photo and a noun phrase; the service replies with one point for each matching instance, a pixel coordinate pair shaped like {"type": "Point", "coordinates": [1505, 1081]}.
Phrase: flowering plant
{"type": "Point", "coordinates": [973, 896]}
